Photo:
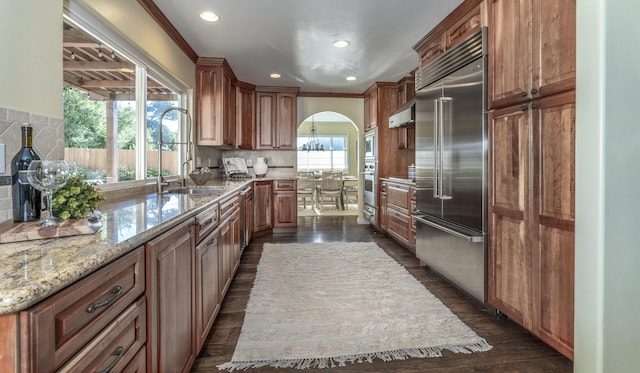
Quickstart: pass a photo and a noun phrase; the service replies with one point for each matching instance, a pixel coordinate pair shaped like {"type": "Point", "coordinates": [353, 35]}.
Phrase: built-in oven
{"type": "Point", "coordinates": [369, 193]}
{"type": "Point", "coordinates": [369, 181]}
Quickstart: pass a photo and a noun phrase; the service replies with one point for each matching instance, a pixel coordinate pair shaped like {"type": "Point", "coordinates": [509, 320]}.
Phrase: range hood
{"type": "Point", "coordinates": [405, 116]}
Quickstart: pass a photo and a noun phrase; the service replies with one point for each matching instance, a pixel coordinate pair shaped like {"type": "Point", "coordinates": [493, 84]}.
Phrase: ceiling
{"type": "Point", "coordinates": [294, 38]}
{"type": "Point", "coordinates": [259, 37]}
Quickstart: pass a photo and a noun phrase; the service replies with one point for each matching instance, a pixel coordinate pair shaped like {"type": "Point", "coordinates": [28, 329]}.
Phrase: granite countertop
{"type": "Point", "coordinates": [33, 270]}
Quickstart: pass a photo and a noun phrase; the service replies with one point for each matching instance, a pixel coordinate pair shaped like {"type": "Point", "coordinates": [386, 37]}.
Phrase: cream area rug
{"type": "Point", "coordinates": [327, 304]}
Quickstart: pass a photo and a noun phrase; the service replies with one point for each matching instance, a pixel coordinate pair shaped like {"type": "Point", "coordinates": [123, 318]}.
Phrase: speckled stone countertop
{"type": "Point", "coordinates": [30, 271]}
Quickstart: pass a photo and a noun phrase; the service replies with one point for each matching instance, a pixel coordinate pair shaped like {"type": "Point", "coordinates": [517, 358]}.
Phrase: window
{"type": "Point", "coordinates": [334, 157]}
{"type": "Point", "coordinates": [113, 109]}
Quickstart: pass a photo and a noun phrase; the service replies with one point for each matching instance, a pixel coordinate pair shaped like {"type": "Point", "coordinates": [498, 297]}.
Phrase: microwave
{"type": "Point", "coordinates": [370, 144]}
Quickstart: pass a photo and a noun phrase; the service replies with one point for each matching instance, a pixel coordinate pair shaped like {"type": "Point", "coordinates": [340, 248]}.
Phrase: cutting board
{"type": "Point", "coordinates": [15, 232]}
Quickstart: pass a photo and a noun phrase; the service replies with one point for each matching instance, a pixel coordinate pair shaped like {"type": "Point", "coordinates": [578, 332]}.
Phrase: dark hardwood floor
{"type": "Point", "coordinates": [514, 348]}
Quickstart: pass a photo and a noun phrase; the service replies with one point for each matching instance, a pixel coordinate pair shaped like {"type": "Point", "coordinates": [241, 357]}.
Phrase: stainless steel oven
{"type": "Point", "coordinates": [369, 193]}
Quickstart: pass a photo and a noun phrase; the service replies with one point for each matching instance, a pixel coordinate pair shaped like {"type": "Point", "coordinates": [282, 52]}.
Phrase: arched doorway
{"type": "Point", "coordinates": [340, 138]}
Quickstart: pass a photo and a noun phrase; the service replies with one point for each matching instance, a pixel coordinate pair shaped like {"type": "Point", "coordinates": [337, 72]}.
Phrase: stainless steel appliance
{"type": "Point", "coordinates": [405, 116]}
{"type": "Point", "coordinates": [451, 165]}
{"type": "Point", "coordinates": [370, 176]}
{"type": "Point", "coordinates": [370, 146]}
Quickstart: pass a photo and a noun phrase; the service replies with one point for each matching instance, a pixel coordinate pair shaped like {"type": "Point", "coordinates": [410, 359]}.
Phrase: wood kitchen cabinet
{"type": "Point", "coordinates": [215, 119]}
{"type": "Point", "coordinates": [370, 109]}
{"type": "Point", "coordinates": [207, 279]}
{"type": "Point", "coordinates": [245, 115]}
{"type": "Point", "coordinates": [276, 118]}
{"type": "Point", "coordinates": [81, 326]}
{"type": "Point", "coordinates": [285, 203]}
{"type": "Point", "coordinates": [263, 213]}
{"type": "Point", "coordinates": [405, 136]}
{"type": "Point", "coordinates": [532, 216]}
{"type": "Point", "coordinates": [397, 211]}
{"type": "Point", "coordinates": [383, 216]}
{"type": "Point", "coordinates": [532, 49]}
{"type": "Point", "coordinates": [462, 22]}
{"type": "Point", "coordinates": [229, 240]}
{"type": "Point", "coordinates": [532, 165]}
{"type": "Point", "coordinates": [170, 292]}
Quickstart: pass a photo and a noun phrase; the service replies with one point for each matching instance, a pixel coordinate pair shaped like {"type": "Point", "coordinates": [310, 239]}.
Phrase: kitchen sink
{"type": "Point", "coordinates": [194, 191]}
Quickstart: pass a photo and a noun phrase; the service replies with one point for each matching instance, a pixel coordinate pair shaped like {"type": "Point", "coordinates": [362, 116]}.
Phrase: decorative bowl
{"type": "Point", "coordinates": [199, 179]}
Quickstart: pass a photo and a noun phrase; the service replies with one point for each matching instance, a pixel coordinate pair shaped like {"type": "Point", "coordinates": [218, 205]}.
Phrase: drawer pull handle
{"type": "Point", "coordinates": [115, 292]}
{"type": "Point", "coordinates": [118, 353]}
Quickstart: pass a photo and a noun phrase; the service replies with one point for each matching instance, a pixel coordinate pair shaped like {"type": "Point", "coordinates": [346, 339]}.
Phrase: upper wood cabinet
{"type": "Point", "coordinates": [245, 115]}
{"type": "Point", "coordinates": [215, 119]}
{"type": "Point", "coordinates": [462, 22]}
{"type": "Point", "coordinates": [371, 108]}
{"type": "Point", "coordinates": [276, 118]}
{"type": "Point", "coordinates": [406, 137]}
{"type": "Point", "coordinates": [532, 49]}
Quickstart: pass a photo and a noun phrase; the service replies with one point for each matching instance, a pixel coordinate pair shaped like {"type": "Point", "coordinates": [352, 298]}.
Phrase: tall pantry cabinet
{"type": "Point", "coordinates": [532, 165]}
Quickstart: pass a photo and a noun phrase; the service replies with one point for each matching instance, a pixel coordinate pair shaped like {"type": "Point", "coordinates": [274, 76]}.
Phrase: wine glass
{"type": "Point", "coordinates": [47, 176]}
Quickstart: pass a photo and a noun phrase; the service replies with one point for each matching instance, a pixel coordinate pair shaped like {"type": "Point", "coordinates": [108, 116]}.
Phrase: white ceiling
{"type": "Point", "coordinates": [294, 38]}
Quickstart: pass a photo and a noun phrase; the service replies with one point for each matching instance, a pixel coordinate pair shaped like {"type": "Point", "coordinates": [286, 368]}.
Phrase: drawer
{"type": "Point", "coordinates": [206, 221]}
{"type": "Point", "coordinates": [229, 204]}
{"type": "Point", "coordinates": [60, 326]}
{"type": "Point", "coordinates": [284, 185]}
{"type": "Point", "coordinates": [139, 362]}
{"type": "Point", "coordinates": [116, 346]}
{"type": "Point", "coordinates": [398, 195]}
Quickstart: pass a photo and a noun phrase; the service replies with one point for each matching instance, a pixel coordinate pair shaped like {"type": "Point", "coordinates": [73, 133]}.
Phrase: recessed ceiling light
{"type": "Point", "coordinates": [275, 75]}
{"type": "Point", "coordinates": [340, 43]}
{"type": "Point", "coordinates": [351, 78]}
{"type": "Point", "coordinates": [209, 16]}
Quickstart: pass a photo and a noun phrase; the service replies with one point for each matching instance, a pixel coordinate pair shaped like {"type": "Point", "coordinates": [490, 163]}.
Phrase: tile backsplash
{"type": "Point", "coordinates": [48, 142]}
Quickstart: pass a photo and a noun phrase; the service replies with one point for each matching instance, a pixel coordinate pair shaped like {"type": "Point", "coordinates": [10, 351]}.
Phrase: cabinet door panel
{"type": "Point", "coordinates": [554, 134]}
{"type": "Point", "coordinates": [286, 121]}
{"type": "Point", "coordinates": [285, 209]}
{"type": "Point", "coordinates": [207, 286]}
{"type": "Point", "coordinates": [554, 52]}
{"type": "Point", "coordinates": [208, 107]}
{"type": "Point", "coordinates": [509, 137]}
{"type": "Point", "coordinates": [171, 342]}
{"type": "Point", "coordinates": [265, 120]}
{"type": "Point", "coordinates": [510, 51]}
{"type": "Point", "coordinates": [509, 268]}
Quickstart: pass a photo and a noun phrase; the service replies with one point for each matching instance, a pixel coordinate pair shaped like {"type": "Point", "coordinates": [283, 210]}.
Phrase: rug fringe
{"type": "Point", "coordinates": [340, 361]}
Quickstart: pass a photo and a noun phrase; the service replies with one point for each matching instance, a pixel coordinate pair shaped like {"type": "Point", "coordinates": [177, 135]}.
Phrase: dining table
{"type": "Point", "coordinates": [346, 180]}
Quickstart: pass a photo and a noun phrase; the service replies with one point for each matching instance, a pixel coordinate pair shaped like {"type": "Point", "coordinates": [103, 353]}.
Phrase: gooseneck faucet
{"type": "Point", "coordinates": [161, 180]}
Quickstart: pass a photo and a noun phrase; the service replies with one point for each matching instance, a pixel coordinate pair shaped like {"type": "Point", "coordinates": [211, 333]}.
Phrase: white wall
{"type": "Point", "coordinates": [31, 62]}
{"type": "Point", "coordinates": [607, 304]}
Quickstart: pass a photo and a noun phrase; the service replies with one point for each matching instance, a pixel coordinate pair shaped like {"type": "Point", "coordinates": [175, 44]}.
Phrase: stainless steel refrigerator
{"type": "Point", "coordinates": [451, 165]}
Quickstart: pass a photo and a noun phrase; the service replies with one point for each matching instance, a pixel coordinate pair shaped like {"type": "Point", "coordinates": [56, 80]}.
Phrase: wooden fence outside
{"type": "Point", "coordinates": [96, 159]}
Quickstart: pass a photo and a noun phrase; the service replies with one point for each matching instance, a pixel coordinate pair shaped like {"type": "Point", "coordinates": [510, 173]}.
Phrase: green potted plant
{"type": "Point", "coordinates": [77, 199]}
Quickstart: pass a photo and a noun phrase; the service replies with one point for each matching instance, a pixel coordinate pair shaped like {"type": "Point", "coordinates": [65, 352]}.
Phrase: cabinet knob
{"type": "Point", "coordinates": [534, 91]}
{"type": "Point", "coordinates": [534, 105]}
{"type": "Point", "coordinates": [523, 94]}
{"type": "Point", "coordinates": [524, 107]}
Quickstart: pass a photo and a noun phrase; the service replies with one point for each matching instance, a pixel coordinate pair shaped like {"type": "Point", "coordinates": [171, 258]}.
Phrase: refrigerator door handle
{"type": "Point", "coordinates": [475, 238]}
{"type": "Point", "coordinates": [445, 115]}
{"type": "Point", "coordinates": [436, 148]}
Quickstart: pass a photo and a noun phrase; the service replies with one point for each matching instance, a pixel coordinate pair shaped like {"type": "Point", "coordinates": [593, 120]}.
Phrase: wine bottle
{"type": "Point", "coordinates": [26, 199]}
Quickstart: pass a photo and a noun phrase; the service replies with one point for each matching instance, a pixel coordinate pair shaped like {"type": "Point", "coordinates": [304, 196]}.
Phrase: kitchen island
{"type": "Point", "coordinates": [87, 301]}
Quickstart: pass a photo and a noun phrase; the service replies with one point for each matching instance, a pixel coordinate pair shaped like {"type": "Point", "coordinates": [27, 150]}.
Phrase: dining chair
{"type": "Point", "coordinates": [330, 189]}
{"type": "Point", "coordinates": [306, 188]}
{"type": "Point", "coordinates": [349, 193]}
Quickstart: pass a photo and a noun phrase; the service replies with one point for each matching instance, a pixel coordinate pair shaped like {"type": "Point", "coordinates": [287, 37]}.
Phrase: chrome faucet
{"type": "Point", "coordinates": [161, 180]}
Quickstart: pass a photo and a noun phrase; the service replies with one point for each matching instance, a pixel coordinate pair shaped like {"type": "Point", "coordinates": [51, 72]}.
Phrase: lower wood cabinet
{"type": "Point", "coordinates": [171, 292]}
{"type": "Point", "coordinates": [532, 216]}
{"type": "Point", "coordinates": [116, 347]}
{"type": "Point", "coordinates": [285, 203]}
{"type": "Point", "coordinates": [85, 323]}
{"type": "Point", "coordinates": [208, 298]}
{"type": "Point", "coordinates": [397, 206]}
{"type": "Point", "coordinates": [263, 214]}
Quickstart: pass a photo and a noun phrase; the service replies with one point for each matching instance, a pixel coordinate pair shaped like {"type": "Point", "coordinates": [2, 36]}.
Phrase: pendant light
{"type": "Point", "coordinates": [313, 144]}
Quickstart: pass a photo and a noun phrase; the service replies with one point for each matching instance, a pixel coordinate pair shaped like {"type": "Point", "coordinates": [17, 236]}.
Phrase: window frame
{"type": "Point", "coordinates": [331, 135]}
{"type": "Point", "coordinates": [146, 68]}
